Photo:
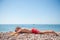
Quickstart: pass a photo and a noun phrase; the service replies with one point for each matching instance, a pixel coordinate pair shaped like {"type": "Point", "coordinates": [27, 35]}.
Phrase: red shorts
{"type": "Point", "coordinates": [35, 31]}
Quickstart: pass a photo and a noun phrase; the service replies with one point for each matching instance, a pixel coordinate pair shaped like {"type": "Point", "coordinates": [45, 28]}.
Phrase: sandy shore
{"type": "Point", "coordinates": [25, 36]}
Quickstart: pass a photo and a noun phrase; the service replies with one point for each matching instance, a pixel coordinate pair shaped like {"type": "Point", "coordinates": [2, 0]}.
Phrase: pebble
{"type": "Point", "coordinates": [26, 36]}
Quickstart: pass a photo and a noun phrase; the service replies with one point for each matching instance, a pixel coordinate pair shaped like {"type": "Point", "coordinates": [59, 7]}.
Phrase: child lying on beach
{"type": "Point", "coordinates": [19, 30]}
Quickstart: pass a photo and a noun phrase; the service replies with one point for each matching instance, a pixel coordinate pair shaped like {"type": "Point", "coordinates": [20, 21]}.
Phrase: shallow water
{"type": "Point", "coordinates": [11, 27]}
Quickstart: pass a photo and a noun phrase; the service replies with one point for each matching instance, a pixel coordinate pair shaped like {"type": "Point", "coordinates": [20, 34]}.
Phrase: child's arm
{"type": "Point", "coordinates": [12, 34]}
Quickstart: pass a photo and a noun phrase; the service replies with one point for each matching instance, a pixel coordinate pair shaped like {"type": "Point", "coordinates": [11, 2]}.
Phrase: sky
{"type": "Point", "coordinates": [29, 11]}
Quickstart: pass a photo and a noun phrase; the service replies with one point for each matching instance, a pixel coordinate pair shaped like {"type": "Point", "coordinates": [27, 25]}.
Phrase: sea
{"type": "Point", "coordinates": [44, 27]}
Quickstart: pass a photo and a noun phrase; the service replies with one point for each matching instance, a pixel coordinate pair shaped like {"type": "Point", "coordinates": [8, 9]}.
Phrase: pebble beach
{"type": "Point", "coordinates": [26, 36]}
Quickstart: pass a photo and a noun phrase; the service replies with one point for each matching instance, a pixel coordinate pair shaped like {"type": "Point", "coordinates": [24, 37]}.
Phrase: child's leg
{"type": "Point", "coordinates": [46, 32]}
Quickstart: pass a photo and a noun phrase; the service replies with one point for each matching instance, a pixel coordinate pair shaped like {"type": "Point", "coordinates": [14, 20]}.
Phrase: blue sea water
{"type": "Point", "coordinates": [11, 27]}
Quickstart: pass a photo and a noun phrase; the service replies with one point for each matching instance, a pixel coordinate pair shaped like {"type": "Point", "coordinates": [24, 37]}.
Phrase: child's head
{"type": "Point", "coordinates": [17, 28]}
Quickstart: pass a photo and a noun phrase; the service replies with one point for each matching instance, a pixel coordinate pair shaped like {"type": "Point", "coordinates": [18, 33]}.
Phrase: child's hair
{"type": "Point", "coordinates": [17, 28]}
